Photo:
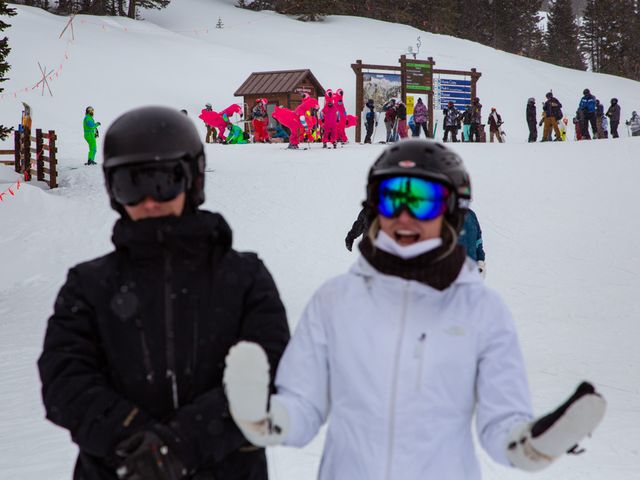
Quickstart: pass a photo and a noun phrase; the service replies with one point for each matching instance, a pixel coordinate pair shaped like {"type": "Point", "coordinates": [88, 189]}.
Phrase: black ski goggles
{"type": "Point", "coordinates": [163, 182]}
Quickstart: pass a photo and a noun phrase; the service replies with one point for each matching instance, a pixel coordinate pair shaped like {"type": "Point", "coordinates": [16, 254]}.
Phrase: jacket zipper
{"type": "Point", "coordinates": [169, 327]}
{"type": "Point", "coordinates": [419, 354]}
{"type": "Point", "coordinates": [394, 388]}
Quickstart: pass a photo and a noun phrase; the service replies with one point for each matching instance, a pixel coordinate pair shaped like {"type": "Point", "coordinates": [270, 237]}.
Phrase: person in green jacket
{"type": "Point", "coordinates": [90, 134]}
{"type": "Point", "coordinates": [235, 135]}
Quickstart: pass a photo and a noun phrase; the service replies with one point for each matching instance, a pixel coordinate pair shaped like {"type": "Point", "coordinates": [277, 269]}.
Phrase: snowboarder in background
{"type": "Point", "coordinates": [613, 112]}
{"type": "Point", "coordinates": [212, 133]}
{"type": "Point", "coordinates": [495, 122]}
{"type": "Point", "coordinates": [90, 127]}
{"type": "Point", "coordinates": [588, 108]}
{"type": "Point", "coordinates": [563, 128]}
{"type": "Point", "coordinates": [451, 117]}
{"type": "Point", "coordinates": [133, 354]}
{"type": "Point", "coordinates": [604, 123]}
{"type": "Point", "coordinates": [260, 120]}
{"type": "Point", "coordinates": [471, 239]}
{"type": "Point", "coordinates": [577, 125]}
{"type": "Point", "coordinates": [552, 115]}
{"type": "Point", "coordinates": [476, 121]}
{"type": "Point", "coordinates": [634, 124]}
{"type": "Point", "coordinates": [532, 118]}
{"type": "Point", "coordinates": [370, 120]}
{"type": "Point", "coordinates": [421, 117]}
{"type": "Point", "coordinates": [401, 115]}
{"type": "Point", "coordinates": [364, 335]}
{"type": "Point", "coordinates": [390, 119]}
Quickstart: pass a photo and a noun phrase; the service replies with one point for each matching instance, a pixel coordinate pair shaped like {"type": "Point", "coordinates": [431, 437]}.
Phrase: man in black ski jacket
{"type": "Point", "coordinates": [532, 118]}
{"type": "Point", "coordinates": [613, 112]}
{"type": "Point", "coordinates": [134, 352]}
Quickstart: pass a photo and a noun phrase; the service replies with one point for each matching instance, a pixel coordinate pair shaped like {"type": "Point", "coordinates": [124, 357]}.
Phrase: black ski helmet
{"type": "Point", "coordinates": [586, 91]}
{"type": "Point", "coordinates": [423, 159]}
{"type": "Point", "coordinates": [149, 135]}
{"type": "Point", "coordinates": [614, 101]}
{"type": "Point", "coordinates": [549, 95]}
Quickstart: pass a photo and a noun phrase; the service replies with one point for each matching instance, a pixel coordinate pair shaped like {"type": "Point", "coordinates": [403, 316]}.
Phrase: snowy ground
{"type": "Point", "coordinates": [559, 220]}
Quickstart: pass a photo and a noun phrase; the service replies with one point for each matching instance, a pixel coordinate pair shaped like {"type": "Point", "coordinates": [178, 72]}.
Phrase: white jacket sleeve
{"type": "Point", "coordinates": [302, 380]}
{"type": "Point", "coordinates": [503, 399]}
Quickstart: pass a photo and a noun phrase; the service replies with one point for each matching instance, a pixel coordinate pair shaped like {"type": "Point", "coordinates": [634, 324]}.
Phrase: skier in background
{"type": "Point", "coordinates": [421, 118]}
{"type": "Point", "coordinates": [532, 118]}
{"type": "Point", "coordinates": [133, 353]}
{"type": "Point", "coordinates": [403, 352]}
{"type": "Point", "coordinates": [476, 121]}
{"type": "Point", "coordinates": [260, 120]}
{"type": "Point", "coordinates": [495, 122]}
{"type": "Point", "coordinates": [212, 133]}
{"type": "Point", "coordinates": [613, 112]}
{"type": "Point", "coordinates": [466, 124]}
{"type": "Point", "coordinates": [401, 116]}
{"type": "Point", "coordinates": [587, 107]}
{"type": "Point", "coordinates": [390, 119]}
{"type": "Point", "coordinates": [90, 127]}
{"type": "Point", "coordinates": [634, 124]}
{"type": "Point", "coordinates": [370, 120]}
{"type": "Point", "coordinates": [552, 114]}
{"type": "Point", "coordinates": [451, 116]}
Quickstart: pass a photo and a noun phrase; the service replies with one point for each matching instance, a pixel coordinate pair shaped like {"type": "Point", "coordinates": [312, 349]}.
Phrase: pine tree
{"type": "Point", "coordinates": [5, 11]}
{"type": "Point", "coordinates": [561, 38]}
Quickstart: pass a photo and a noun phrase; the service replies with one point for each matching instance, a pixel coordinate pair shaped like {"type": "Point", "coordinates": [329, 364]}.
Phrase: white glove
{"type": "Point", "coordinates": [534, 446]}
{"type": "Point", "coordinates": [246, 382]}
{"type": "Point", "coordinates": [482, 268]}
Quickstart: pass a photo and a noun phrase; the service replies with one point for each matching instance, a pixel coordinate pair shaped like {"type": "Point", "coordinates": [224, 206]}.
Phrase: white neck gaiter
{"type": "Point", "coordinates": [389, 245]}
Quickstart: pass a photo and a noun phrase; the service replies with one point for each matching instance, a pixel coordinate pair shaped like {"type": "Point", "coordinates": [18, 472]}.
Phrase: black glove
{"type": "Point", "coordinates": [348, 243]}
{"type": "Point", "coordinates": [145, 456]}
{"type": "Point", "coordinates": [97, 134]}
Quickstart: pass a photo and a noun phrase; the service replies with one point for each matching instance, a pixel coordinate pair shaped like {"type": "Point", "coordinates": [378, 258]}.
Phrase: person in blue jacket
{"type": "Point", "coordinates": [471, 239]}
{"type": "Point", "coordinates": [588, 107]}
{"type": "Point", "coordinates": [281, 132]}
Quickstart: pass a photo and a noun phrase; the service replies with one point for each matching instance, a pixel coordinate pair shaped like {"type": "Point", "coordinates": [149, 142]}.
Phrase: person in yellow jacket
{"type": "Point", "coordinates": [90, 127]}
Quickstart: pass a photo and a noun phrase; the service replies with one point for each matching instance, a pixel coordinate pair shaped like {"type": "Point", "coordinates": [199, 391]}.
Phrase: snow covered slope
{"type": "Point", "coordinates": [559, 220]}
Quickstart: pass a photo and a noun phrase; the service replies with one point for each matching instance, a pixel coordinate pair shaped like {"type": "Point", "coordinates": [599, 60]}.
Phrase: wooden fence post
{"type": "Point", "coordinates": [16, 151]}
{"type": "Point", "coordinates": [53, 160]}
{"type": "Point", "coordinates": [26, 152]}
{"type": "Point", "coordinates": [39, 152]}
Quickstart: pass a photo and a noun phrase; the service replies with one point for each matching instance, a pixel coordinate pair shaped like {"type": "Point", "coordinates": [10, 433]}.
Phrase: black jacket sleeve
{"type": "Point", "coordinates": [205, 424]}
{"type": "Point", "coordinates": [358, 228]}
{"type": "Point", "coordinates": [75, 389]}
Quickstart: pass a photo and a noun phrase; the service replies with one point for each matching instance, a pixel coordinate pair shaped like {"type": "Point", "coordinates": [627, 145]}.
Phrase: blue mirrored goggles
{"type": "Point", "coordinates": [422, 199]}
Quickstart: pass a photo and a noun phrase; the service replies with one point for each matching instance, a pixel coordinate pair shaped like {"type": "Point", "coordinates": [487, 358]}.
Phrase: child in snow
{"type": "Point", "coordinates": [90, 127]}
{"type": "Point", "coordinates": [401, 353]}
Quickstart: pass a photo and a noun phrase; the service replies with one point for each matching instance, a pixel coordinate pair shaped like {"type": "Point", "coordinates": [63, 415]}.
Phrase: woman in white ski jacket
{"type": "Point", "coordinates": [398, 354]}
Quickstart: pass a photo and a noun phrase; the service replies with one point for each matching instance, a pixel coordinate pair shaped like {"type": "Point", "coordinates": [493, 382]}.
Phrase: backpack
{"type": "Point", "coordinates": [558, 114]}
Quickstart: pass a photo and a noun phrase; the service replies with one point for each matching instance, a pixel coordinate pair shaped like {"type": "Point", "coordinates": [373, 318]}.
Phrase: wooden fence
{"type": "Point", "coordinates": [34, 156]}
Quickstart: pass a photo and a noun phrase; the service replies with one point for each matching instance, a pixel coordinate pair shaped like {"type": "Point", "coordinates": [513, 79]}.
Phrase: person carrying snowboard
{"type": "Point", "coordinates": [90, 127]}
{"type": "Point", "coordinates": [404, 351]}
{"type": "Point", "coordinates": [495, 122]}
{"type": "Point", "coordinates": [532, 118]}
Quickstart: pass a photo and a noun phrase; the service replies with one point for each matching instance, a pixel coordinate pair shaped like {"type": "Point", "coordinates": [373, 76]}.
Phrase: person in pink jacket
{"type": "Point", "coordinates": [342, 116]}
{"type": "Point", "coordinates": [330, 120]}
{"type": "Point", "coordinates": [421, 117]}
